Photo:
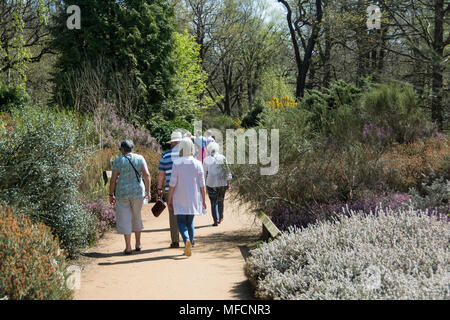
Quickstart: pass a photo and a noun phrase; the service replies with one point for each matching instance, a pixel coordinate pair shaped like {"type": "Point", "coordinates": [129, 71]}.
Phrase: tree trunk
{"type": "Point", "coordinates": [438, 47]}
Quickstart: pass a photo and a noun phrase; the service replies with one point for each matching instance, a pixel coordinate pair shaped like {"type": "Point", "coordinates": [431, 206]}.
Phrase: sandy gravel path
{"type": "Point", "coordinates": [214, 271]}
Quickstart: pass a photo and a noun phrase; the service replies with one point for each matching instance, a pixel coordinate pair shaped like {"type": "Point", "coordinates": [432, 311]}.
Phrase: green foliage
{"type": "Point", "coordinates": [133, 38]}
{"type": "Point", "coordinates": [17, 42]}
{"type": "Point", "coordinates": [334, 111]}
{"type": "Point", "coordinates": [221, 122]}
{"type": "Point", "coordinates": [11, 97]}
{"type": "Point", "coordinates": [324, 148]}
{"type": "Point", "coordinates": [253, 117]}
{"type": "Point", "coordinates": [394, 108]}
{"type": "Point", "coordinates": [31, 264]}
{"type": "Point", "coordinates": [190, 79]}
{"type": "Point", "coordinates": [162, 129]}
{"type": "Point", "coordinates": [41, 164]}
{"type": "Point", "coordinates": [435, 194]}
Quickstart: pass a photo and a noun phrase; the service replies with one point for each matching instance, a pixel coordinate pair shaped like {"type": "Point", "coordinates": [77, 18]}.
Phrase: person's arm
{"type": "Point", "coordinates": [170, 198]}
{"type": "Point", "coordinates": [147, 180]}
{"type": "Point", "coordinates": [112, 186]}
{"type": "Point", "coordinates": [228, 171]}
{"type": "Point", "coordinates": [172, 185]}
{"type": "Point", "coordinates": [201, 179]}
{"type": "Point", "coordinates": [203, 192]}
{"type": "Point", "coordinates": [205, 168]}
{"type": "Point", "coordinates": [161, 183]}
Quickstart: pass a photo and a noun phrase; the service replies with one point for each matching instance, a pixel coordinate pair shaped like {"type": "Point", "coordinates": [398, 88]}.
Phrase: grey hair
{"type": "Point", "coordinates": [213, 147]}
{"type": "Point", "coordinates": [187, 147]}
{"type": "Point", "coordinates": [127, 145]}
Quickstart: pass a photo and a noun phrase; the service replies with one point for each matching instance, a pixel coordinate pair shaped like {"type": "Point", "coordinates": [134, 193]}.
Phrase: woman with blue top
{"type": "Point", "coordinates": [202, 143]}
{"type": "Point", "coordinates": [130, 184]}
{"type": "Point", "coordinates": [187, 194]}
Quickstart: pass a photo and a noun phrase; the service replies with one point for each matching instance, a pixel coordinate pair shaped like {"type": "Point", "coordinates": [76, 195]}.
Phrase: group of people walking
{"type": "Point", "coordinates": [191, 168]}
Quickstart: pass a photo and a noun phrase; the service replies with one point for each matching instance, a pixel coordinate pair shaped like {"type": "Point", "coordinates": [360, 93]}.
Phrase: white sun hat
{"type": "Point", "coordinates": [176, 136]}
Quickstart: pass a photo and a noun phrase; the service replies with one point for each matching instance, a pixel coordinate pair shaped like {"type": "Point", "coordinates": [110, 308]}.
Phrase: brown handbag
{"type": "Point", "coordinates": [158, 208]}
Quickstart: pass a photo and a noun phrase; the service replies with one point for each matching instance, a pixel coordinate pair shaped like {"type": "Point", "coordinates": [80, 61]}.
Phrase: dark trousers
{"type": "Point", "coordinates": [216, 196]}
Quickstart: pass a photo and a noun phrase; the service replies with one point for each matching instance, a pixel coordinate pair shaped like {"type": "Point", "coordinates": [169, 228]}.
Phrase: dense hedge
{"type": "Point", "coordinates": [41, 160]}
{"type": "Point", "coordinates": [399, 254]}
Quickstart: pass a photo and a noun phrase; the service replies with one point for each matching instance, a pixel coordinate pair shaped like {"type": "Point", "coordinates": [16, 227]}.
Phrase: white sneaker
{"type": "Point", "coordinates": [187, 248]}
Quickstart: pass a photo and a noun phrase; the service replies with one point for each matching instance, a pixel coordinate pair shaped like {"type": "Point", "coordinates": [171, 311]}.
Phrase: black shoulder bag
{"type": "Point", "coordinates": [138, 175]}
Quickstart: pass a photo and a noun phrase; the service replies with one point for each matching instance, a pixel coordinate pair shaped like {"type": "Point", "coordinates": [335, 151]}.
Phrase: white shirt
{"type": "Point", "coordinates": [187, 178]}
{"type": "Point", "coordinates": [216, 170]}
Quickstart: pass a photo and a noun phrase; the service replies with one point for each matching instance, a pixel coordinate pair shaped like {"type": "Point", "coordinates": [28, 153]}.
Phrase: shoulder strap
{"type": "Point", "coordinates": [138, 175]}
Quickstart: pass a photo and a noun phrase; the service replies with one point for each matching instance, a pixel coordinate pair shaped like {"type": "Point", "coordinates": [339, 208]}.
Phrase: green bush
{"type": "Point", "coordinates": [394, 111]}
{"type": "Point", "coordinates": [31, 264]}
{"type": "Point", "coordinates": [398, 254]}
{"type": "Point", "coordinates": [40, 166]}
{"type": "Point", "coordinates": [11, 97]}
{"type": "Point", "coordinates": [253, 117]}
{"type": "Point", "coordinates": [162, 129]}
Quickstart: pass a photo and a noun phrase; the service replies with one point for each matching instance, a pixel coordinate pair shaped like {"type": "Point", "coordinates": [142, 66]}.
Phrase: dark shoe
{"type": "Point", "coordinates": [138, 249]}
{"type": "Point", "coordinates": [220, 221]}
{"type": "Point", "coordinates": [215, 224]}
{"type": "Point", "coordinates": [175, 245]}
{"type": "Point", "coordinates": [125, 252]}
{"type": "Point", "coordinates": [193, 243]}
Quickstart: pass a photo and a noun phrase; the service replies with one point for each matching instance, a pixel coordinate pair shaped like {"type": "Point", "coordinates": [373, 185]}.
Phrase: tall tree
{"type": "Point", "coordinates": [304, 26]}
{"type": "Point", "coordinates": [423, 25]}
{"type": "Point", "coordinates": [24, 36]}
{"type": "Point", "coordinates": [130, 37]}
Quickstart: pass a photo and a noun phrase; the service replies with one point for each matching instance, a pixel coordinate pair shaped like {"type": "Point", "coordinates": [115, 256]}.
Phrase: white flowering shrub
{"type": "Point", "coordinates": [399, 254]}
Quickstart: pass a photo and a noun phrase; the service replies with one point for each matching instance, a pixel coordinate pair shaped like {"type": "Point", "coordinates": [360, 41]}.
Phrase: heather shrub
{"type": "Point", "coordinates": [104, 212]}
{"type": "Point", "coordinates": [41, 161]}
{"type": "Point", "coordinates": [395, 114]}
{"type": "Point", "coordinates": [285, 217]}
{"type": "Point", "coordinates": [405, 165]}
{"type": "Point", "coordinates": [31, 264]}
{"type": "Point", "coordinates": [392, 254]}
{"type": "Point", "coordinates": [320, 176]}
{"type": "Point", "coordinates": [434, 195]}
{"type": "Point", "coordinates": [112, 129]}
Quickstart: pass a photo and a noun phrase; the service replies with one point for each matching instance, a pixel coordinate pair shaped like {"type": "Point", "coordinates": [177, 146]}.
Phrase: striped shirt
{"type": "Point", "coordinates": [166, 163]}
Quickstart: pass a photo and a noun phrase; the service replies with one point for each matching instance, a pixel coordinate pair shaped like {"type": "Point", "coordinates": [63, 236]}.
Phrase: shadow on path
{"type": "Point", "coordinates": [226, 242]}
{"type": "Point", "coordinates": [99, 255]}
{"type": "Point", "coordinates": [173, 257]}
{"type": "Point", "coordinates": [242, 290]}
{"type": "Point", "coordinates": [168, 229]}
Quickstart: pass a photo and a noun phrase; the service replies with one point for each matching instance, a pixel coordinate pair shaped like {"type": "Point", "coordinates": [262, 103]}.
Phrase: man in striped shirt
{"type": "Point", "coordinates": [165, 170]}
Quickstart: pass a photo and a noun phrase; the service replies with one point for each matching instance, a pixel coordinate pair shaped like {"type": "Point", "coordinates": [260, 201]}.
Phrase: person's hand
{"type": "Point", "coordinates": [204, 204]}
{"type": "Point", "coordinates": [112, 200]}
{"type": "Point", "coordinates": [228, 186]}
{"type": "Point", "coordinates": [160, 192]}
{"type": "Point", "coordinates": [148, 195]}
{"type": "Point", "coordinates": [170, 205]}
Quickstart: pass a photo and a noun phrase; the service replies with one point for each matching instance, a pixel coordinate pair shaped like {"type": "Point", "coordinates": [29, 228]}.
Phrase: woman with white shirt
{"type": "Point", "coordinates": [218, 178]}
{"type": "Point", "coordinates": [187, 195]}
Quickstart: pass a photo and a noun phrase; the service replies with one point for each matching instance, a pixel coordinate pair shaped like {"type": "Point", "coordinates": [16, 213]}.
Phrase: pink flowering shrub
{"type": "Point", "coordinates": [104, 212]}
{"type": "Point", "coordinates": [304, 216]}
{"type": "Point", "coordinates": [112, 129]}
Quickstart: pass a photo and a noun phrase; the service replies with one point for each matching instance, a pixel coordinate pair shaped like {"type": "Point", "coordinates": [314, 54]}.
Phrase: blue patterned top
{"type": "Point", "coordinates": [127, 187]}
